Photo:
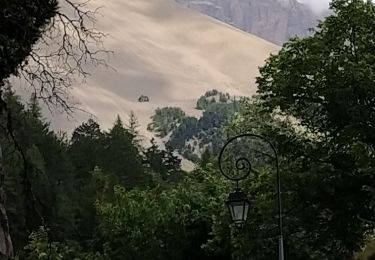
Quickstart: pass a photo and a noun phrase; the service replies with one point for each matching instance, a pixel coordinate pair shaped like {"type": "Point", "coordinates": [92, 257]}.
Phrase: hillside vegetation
{"type": "Point", "coordinates": [192, 136]}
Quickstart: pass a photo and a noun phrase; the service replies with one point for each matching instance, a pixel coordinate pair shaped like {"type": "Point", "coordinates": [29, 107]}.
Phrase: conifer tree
{"type": "Point", "coordinates": [121, 158]}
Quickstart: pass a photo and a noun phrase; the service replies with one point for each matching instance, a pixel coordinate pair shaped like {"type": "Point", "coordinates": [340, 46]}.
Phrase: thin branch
{"type": "Point", "coordinates": [69, 44]}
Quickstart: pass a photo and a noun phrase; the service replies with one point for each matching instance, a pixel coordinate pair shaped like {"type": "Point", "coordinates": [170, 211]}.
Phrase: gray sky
{"type": "Point", "coordinates": [317, 5]}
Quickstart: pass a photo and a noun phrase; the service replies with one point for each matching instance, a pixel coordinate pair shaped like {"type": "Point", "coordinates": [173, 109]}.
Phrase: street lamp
{"type": "Point", "coordinates": [239, 168]}
{"type": "Point", "coordinates": [238, 206]}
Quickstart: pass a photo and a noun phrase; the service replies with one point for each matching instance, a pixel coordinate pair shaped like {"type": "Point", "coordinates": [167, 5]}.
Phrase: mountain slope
{"type": "Point", "coordinates": [170, 54]}
{"type": "Point", "coordinates": [273, 20]}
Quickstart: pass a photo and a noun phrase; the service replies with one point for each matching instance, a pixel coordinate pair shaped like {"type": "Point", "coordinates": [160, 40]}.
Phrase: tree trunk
{"type": "Point", "coordinates": [6, 247]}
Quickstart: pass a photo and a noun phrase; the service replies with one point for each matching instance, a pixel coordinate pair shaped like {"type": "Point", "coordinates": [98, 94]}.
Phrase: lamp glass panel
{"type": "Point", "coordinates": [247, 206]}
{"type": "Point", "coordinates": [237, 211]}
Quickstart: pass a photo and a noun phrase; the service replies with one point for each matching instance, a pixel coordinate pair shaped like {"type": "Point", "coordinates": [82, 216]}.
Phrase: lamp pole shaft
{"type": "Point", "coordinates": [281, 239]}
{"type": "Point", "coordinates": [281, 248]}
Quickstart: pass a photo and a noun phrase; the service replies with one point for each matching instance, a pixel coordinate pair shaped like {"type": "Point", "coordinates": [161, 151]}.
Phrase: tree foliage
{"type": "Point", "coordinates": [173, 223]}
{"type": "Point", "coordinates": [67, 176]}
{"type": "Point", "coordinates": [192, 136]}
{"type": "Point", "coordinates": [166, 120]}
{"type": "Point", "coordinates": [22, 24]}
{"type": "Point", "coordinates": [324, 85]}
{"type": "Point", "coordinates": [326, 81]}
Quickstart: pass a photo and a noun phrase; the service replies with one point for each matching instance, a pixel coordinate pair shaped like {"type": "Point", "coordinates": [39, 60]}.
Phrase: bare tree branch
{"type": "Point", "coordinates": [69, 46]}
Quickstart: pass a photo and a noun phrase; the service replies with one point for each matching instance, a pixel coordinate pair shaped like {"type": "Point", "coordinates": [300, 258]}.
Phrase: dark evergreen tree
{"type": "Point", "coordinates": [154, 158]}
{"type": "Point", "coordinates": [86, 147]}
{"type": "Point", "coordinates": [172, 164]}
{"type": "Point", "coordinates": [85, 150]}
{"type": "Point", "coordinates": [37, 159]}
{"type": "Point", "coordinates": [121, 158]}
{"type": "Point", "coordinates": [132, 127]}
{"type": "Point", "coordinates": [163, 162]}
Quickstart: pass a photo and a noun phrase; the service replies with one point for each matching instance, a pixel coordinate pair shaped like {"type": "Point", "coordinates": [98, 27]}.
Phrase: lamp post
{"type": "Point", "coordinates": [239, 168]}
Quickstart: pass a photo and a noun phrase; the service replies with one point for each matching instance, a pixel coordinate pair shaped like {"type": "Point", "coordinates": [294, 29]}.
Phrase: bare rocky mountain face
{"type": "Point", "coordinates": [273, 20]}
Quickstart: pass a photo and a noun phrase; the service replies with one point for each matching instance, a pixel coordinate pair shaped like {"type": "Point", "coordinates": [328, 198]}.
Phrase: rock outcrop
{"type": "Point", "coordinates": [273, 20]}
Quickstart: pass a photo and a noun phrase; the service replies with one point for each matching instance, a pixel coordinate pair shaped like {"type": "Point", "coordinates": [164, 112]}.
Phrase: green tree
{"type": "Point", "coordinates": [326, 81]}
{"type": "Point", "coordinates": [132, 127]}
{"type": "Point", "coordinates": [172, 164]}
{"type": "Point", "coordinates": [163, 162]}
{"type": "Point", "coordinates": [133, 124]}
{"type": "Point", "coordinates": [154, 158]}
{"type": "Point", "coordinates": [121, 158]}
{"type": "Point", "coordinates": [42, 248]}
{"type": "Point", "coordinates": [166, 120]}
{"type": "Point", "coordinates": [20, 29]}
{"type": "Point", "coordinates": [324, 85]}
{"type": "Point", "coordinates": [85, 150]}
{"type": "Point", "coordinates": [173, 223]}
{"type": "Point", "coordinates": [42, 156]}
